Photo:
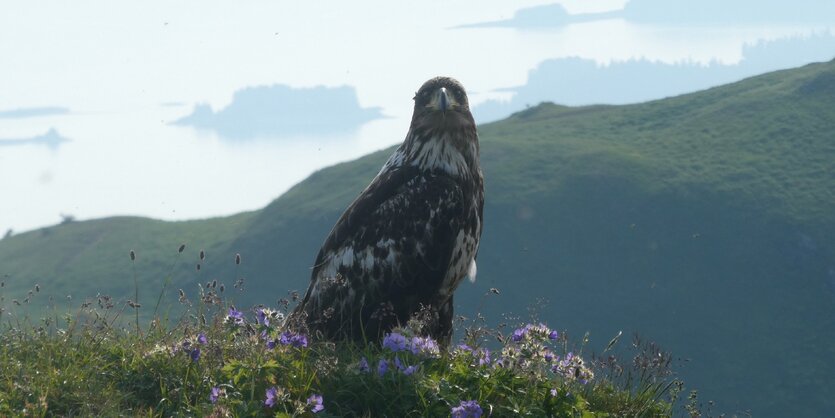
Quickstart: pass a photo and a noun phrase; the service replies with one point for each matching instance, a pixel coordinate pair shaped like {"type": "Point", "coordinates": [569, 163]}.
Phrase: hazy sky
{"type": "Point", "coordinates": [126, 70]}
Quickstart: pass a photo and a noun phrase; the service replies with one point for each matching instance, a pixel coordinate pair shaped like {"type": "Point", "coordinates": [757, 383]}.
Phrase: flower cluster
{"type": "Point", "coordinates": [407, 370]}
{"type": "Point", "coordinates": [193, 349]}
{"type": "Point", "coordinates": [534, 331]}
{"type": "Point", "coordinates": [425, 347]}
{"type": "Point", "coordinates": [420, 346]}
{"type": "Point", "coordinates": [529, 348]}
{"type": "Point", "coordinates": [573, 368]}
{"type": "Point", "coordinates": [266, 317]}
{"type": "Point", "coordinates": [383, 367]}
{"type": "Point", "coordinates": [481, 356]}
{"type": "Point", "coordinates": [467, 409]}
{"type": "Point", "coordinates": [293, 339]}
{"type": "Point", "coordinates": [276, 396]}
{"type": "Point", "coordinates": [395, 342]}
{"type": "Point", "coordinates": [267, 324]}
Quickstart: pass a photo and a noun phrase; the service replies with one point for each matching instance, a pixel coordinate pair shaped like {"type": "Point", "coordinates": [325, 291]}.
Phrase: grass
{"type": "Point", "coordinates": [216, 360]}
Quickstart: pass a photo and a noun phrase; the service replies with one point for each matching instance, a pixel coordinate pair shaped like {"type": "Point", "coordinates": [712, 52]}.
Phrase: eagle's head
{"type": "Point", "coordinates": [443, 134]}
{"type": "Point", "coordinates": [441, 103]}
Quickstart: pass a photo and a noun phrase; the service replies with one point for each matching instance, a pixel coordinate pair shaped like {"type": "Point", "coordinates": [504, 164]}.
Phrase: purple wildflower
{"type": "Point", "coordinates": [316, 402]}
{"type": "Point", "coordinates": [573, 368]}
{"type": "Point", "coordinates": [484, 357]}
{"type": "Point", "coordinates": [201, 338]}
{"type": "Point", "coordinates": [467, 409]}
{"type": "Point", "coordinates": [425, 346]}
{"type": "Point", "coordinates": [458, 412]}
{"type": "Point", "coordinates": [272, 397]}
{"type": "Point", "coordinates": [407, 370]}
{"type": "Point", "coordinates": [554, 393]}
{"type": "Point", "coordinates": [216, 393]}
{"type": "Point", "coordinates": [553, 335]}
{"type": "Point", "coordinates": [293, 339]}
{"type": "Point", "coordinates": [262, 317]}
{"type": "Point", "coordinates": [382, 367]}
{"type": "Point", "coordinates": [395, 342]}
{"type": "Point", "coordinates": [300, 341]}
{"type": "Point", "coordinates": [235, 317]}
{"type": "Point", "coordinates": [195, 354]}
{"type": "Point", "coordinates": [363, 366]}
{"type": "Point", "coordinates": [518, 334]}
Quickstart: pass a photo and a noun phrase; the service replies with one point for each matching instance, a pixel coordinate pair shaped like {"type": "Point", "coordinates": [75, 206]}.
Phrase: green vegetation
{"type": "Point", "coordinates": [703, 220]}
{"type": "Point", "coordinates": [218, 361]}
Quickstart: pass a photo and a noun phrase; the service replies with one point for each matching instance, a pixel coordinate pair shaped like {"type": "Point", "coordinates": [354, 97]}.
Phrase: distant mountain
{"type": "Point", "coordinates": [702, 221]}
{"type": "Point", "coordinates": [676, 12]}
{"type": "Point", "coordinates": [730, 12]}
{"type": "Point", "coordinates": [577, 81]}
{"type": "Point", "coordinates": [281, 111]}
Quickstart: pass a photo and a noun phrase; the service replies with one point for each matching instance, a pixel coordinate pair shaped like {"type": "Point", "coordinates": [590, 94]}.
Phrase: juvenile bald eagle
{"type": "Point", "coordinates": [404, 245]}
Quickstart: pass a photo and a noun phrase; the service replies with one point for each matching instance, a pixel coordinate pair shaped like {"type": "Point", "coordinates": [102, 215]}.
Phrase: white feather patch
{"type": "Point", "coordinates": [472, 271]}
{"type": "Point", "coordinates": [347, 256]}
{"type": "Point", "coordinates": [438, 154]}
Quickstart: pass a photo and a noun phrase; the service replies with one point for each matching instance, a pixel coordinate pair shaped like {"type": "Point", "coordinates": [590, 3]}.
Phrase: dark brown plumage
{"type": "Point", "coordinates": [404, 245]}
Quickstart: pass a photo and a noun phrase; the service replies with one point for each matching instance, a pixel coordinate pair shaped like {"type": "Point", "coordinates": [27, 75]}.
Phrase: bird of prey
{"type": "Point", "coordinates": [408, 240]}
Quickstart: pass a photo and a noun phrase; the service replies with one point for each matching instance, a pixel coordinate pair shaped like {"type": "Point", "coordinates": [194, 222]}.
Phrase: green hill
{"type": "Point", "coordinates": [703, 221]}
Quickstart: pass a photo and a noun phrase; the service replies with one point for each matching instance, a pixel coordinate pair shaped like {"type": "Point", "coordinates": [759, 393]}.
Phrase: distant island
{"type": "Point", "coordinates": [281, 111]}
{"type": "Point", "coordinates": [51, 139]}
{"type": "Point", "coordinates": [33, 112]}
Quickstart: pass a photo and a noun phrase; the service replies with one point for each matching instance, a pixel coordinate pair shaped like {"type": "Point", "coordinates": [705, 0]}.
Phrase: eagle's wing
{"type": "Point", "coordinates": [405, 241]}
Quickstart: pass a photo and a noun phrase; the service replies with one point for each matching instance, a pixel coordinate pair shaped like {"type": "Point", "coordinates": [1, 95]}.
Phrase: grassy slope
{"type": "Point", "coordinates": [83, 259]}
{"type": "Point", "coordinates": [703, 221]}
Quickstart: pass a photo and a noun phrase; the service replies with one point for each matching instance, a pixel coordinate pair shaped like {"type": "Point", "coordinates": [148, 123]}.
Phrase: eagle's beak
{"type": "Point", "coordinates": [442, 101]}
